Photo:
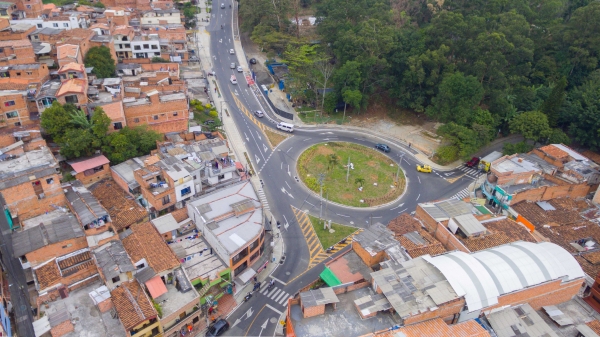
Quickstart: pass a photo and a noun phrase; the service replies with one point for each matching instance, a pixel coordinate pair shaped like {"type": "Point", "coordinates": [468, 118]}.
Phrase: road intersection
{"type": "Point", "coordinates": [288, 199]}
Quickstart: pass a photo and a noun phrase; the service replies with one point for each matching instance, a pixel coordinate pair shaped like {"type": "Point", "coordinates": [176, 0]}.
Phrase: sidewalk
{"type": "Point", "coordinates": [238, 146]}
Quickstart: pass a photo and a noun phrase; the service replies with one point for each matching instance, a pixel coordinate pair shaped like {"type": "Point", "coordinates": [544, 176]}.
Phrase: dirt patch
{"type": "Point", "coordinates": [372, 163]}
{"type": "Point", "coordinates": [374, 178]}
{"type": "Point", "coordinates": [274, 138]}
{"type": "Point", "coordinates": [347, 196]}
{"type": "Point", "coordinates": [325, 151]}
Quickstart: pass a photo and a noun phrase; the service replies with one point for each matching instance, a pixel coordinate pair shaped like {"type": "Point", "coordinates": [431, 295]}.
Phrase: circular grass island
{"type": "Point", "coordinates": [372, 180]}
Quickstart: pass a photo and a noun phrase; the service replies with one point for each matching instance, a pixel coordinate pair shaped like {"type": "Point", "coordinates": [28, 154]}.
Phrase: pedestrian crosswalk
{"type": "Point", "coordinates": [263, 199]}
{"type": "Point", "coordinates": [276, 294]}
{"type": "Point", "coordinates": [461, 194]}
{"type": "Point", "coordinates": [470, 170]}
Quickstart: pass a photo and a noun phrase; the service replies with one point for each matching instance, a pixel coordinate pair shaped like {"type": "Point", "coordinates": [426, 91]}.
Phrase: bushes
{"type": "Point", "coordinates": [447, 154]}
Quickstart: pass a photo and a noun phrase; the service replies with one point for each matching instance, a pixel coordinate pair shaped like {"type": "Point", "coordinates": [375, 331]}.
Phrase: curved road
{"type": "Point", "coordinates": [277, 170]}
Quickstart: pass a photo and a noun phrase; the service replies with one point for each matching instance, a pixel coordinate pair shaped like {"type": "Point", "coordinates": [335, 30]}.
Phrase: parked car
{"type": "Point", "coordinates": [253, 60]}
{"type": "Point", "coordinates": [474, 162]}
{"type": "Point", "coordinates": [232, 66]}
{"type": "Point", "coordinates": [240, 69]}
{"type": "Point", "coordinates": [424, 168]}
{"type": "Point", "coordinates": [231, 51]}
{"type": "Point", "coordinates": [382, 147]}
{"type": "Point", "coordinates": [209, 122]}
{"type": "Point", "coordinates": [218, 328]}
{"type": "Point", "coordinates": [259, 113]}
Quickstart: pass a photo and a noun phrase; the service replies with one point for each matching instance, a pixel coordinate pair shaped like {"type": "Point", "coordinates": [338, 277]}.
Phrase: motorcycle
{"type": "Point", "coordinates": [270, 286]}
{"type": "Point", "coordinates": [221, 26]}
{"type": "Point", "coordinates": [247, 297]}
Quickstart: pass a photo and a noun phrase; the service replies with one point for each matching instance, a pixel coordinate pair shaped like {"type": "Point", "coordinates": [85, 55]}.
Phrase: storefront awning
{"type": "Point", "coordinates": [246, 275]}
{"type": "Point", "coordinates": [329, 278]}
{"type": "Point", "coordinates": [156, 286]}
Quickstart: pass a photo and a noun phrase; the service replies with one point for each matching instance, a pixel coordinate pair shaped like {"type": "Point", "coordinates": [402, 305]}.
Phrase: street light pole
{"type": "Point", "coordinates": [398, 172]}
{"type": "Point", "coordinates": [321, 179]}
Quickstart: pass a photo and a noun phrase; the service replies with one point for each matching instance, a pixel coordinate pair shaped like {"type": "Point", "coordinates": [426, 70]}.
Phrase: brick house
{"type": "Point", "coordinates": [231, 212]}
{"type": "Point", "coordinates": [114, 264]}
{"type": "Point", "coordinates": [91, 169]}
{"type": "Point", "coordinates": [31, 8]}
{"type": "Point", "coordinates": [114, 111]}
{"type": "Point", "coordinates": [14, 110]}
{"type": "Point", "coordinates": [123, 211]}
{"type": "Point", "coordinates": [20, 139]}
{"type": "Point", "coordinates": [135, 310]}
{"type": "Point", "coordinates": [30, 184]}
{"type": "Point", "coordinates": [162, 113]}
{"type": "Point", "coordinates": [157, 189]}
{"type": "Point", "coordinates": [413, 236]}
{"type": "Point", "coordinates": [371, 244]}
{"type": "Point", "coordinates": [16, 52]}
{"type": "Point", "coordinates": [117, 16]}
{"type": "Point", "coordinates": [73, 91]}
{"type": "Point", "coordinates": [95, 220]}
{"type": "Point", "coordinates": [123, 36]}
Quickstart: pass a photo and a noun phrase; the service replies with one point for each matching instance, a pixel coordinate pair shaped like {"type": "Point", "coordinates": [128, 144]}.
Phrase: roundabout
{"type": "Point", "coordinates": [351, 174]}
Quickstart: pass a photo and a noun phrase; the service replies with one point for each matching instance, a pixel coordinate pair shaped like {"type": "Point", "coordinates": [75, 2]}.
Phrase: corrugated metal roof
{"type": "Point", "coordinates": [60, 229]}
{"type": "Point", "coordinates": [113, 259]}
{"type": "Point", "coordinates": [84, 203]}
{"type": "Point", "coordinates": [60, 315]}
{"type": "Point", "coordinates": [145, 274]}
{"type": "Point", "coordinates": [319, 296]}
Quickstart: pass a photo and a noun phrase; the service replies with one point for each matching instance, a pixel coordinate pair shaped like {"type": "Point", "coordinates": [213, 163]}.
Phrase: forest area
{"type": "Point", "coordinates": [483, 68]}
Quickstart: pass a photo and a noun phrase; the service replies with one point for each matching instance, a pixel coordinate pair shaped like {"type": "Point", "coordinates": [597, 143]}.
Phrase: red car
{"type": "Point", "coordinates": [473, 162]}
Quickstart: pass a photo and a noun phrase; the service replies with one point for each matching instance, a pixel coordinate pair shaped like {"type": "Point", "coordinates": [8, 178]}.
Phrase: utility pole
{"type": "Point", "coordinates": [321, 179]}
{"type": "Point", "coordinates": [348, 169]}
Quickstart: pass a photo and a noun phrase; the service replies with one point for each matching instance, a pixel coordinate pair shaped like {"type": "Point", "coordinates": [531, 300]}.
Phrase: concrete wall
{"type": "Point", "coordinates": [368, 259]}
{"type": "Point", "coordinates": [55, 250]}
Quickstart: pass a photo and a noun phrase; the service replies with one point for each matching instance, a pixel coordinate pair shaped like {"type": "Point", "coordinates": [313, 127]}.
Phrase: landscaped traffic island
{"type": "Point", "coordinates": [373, 178]}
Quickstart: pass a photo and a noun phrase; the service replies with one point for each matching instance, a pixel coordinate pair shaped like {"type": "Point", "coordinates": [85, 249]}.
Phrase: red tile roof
{"type": "Point", "coordinates": [500, 232]}
{"type": "Point", "coordinates": [407, 224]}
{"type": "Point", "coordinates": [554, 152]}
{"type": "Point", "coordinates": [437, 328]}
{"type": "Point", "coordinates": [123, 210]}
{"type": "Point", "coordinates": [594, 325]}
{"type": "Point", "coordinates": [132, 304]}
{"type": "Point", "coordinates": [146, 243]}
{"type": "Point", "coordinates": [74, 85]}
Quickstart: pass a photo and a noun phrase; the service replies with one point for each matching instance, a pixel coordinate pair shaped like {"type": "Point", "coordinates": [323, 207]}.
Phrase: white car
{"type": "Point", "coordinates": [240, 69]}
{"type": "Point", "coordinates": [233, 80]}
{"type": "Point", "coordinates": [231, 51]}
{"type": "Point", "coordinates": [232, 66]}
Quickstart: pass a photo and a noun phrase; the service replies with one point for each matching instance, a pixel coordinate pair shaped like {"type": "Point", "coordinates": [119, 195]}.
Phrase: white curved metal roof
{"type": "Point", "coordinates": [487, 274]}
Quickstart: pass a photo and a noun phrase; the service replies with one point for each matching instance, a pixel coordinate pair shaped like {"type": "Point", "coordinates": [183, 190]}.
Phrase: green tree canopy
{"type": "Point", "coordinates": [102, 60]}
{"type": "Point", "coordinates": [532, 125]}
{"type": "Point", "coordinates": [457, 97]}
{"type": "Point", "coordinates": [55, 120]}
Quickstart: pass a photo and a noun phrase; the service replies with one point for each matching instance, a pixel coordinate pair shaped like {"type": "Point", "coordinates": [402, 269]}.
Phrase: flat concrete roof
{"type": "Point", "coordinates": [342, 322]}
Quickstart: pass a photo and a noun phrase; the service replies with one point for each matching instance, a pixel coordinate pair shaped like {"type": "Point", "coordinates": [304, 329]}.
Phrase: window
{"type": "Point", "coordinates": [166, 200]}
{"type": "Point", "coordinates": [154, 46]}
{"type": "Point", "coordinates": [65, 25]}
{"type": "Point", "coordinates": [118, 126]}
{"type": "Point", "coordinates": [254, 245]}
{"type": "Point", "coordinates": [157, 54]}
{"type": "Point", "coordinates": [18, 74]}
{"type": "Point", "coordinates": [194, 177]}
{"type": "Point", "coordinates": [67, 246]}
{"type": "Point", "coordinates": [186, 191]}
{"type": "Point", "coordinates": [28, 6]}
{"type": "Point", "coordinates": [29, 73]}
{"type": "Point", "coordinates": [155, 117]}
{"type": "Point", "coordinates": [136, 120]}
{"type": "Point", "coordinates": [146, 46]}
{"type": "Point", "coordinates": [39, 25]}
{"type": "Point", "coordinates": [55, 25]}
{"type": "Point", "coordinates": [124, 38]}
{"type": "Point", "coordinates": [18, 124]}
{"type": "Point", "coordinates": [196, 320]}
{"type": "Point", "coordinates": [9, 103]}
{"type": "Point", "coordinates": [12, 114]}
{"type": "Point", "coordinates": [116, 279]}
{"type": "Point", "coordinates": [50, 181]}
{"type": "Point", "coordinates": [137, 48]}
{"type": "Point", "coordinates": [71, 99]}
{"type": "Point", "coordinates": [174, 114]}
{"type": "Point", "coordinates": [127, 45]}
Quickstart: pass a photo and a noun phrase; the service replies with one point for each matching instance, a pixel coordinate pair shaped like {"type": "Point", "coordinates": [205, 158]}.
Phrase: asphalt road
{"type": "Point", "coordinates": [277, 170]}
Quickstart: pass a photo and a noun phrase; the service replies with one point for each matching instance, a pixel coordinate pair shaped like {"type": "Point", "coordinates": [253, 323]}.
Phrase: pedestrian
{"type": "Point", "coordinates": [255, 279]}
{"type": "Point", "coordinates": [215, 89]}
{"type": "Point", "coordinates": [409, 145]}
{"type": "Point", "coordinates": [210, 310]}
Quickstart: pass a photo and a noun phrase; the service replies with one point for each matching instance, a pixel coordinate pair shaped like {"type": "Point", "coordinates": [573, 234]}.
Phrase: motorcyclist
{"type": "Point", "coordinates": [272, 283]}
{"type": "Point", "coordinates": [221, 26]}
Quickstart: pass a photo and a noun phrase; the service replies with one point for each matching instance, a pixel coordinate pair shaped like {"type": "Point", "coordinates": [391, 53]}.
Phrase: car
{"type": "Point", "coordinates": [233, 80]}
{"type": "Point", "coordinates": [209, 122]}
{"type": "Point", "coordinates": [222, 6]}
{"type": "Point", "coordinates": [232, 66]}
{"type": "Point", "coordinates": [253, 61]}
{"type": "Point", "coordinates": [259, 113]}
{"type": "Point", "coordinates": [240, 69]}
{"type": "Point", "coordinates": [231, 51]}
{"type": "Point", "coordinates": [424, 168]}
{"type": "Point", "coordinates": [218, 328]}
{"type": "Point", "coordinates": [382, 147]}
{"type": "Point", "coordinates": [474, 162]}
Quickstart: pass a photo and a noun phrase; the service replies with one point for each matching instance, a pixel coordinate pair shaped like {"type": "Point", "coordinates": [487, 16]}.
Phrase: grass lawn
{"type": "Point", "coordinates": [311, 116]}
{"type": "Point", "coordinates": [369, 165]}
{"type": "Point", "coordinates": [274, 138]}
{"type": "Point", "coordinates": [329, 239]}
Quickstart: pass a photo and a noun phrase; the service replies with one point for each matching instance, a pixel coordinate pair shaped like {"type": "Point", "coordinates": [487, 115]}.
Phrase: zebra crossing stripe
{"type": "Point", "coordinates": [284, 299]}
{"type": "Point", "coordinates": [275, 294]}
{"type": "Point", "coordinates": [271, 292]}
{"type": "Point", "coordinates": [263, 290]}
{"type": "Point", "coordinates": [279, 297]}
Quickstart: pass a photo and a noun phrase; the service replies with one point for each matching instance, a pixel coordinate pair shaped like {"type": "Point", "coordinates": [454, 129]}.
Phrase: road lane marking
{"type": "Point", "coordinates": [270, 307]}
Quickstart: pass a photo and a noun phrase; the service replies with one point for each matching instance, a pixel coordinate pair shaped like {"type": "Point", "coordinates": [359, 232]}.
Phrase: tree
{"type": "Point", "coordinates": [557, 136]}
{"type": "Point", "coordinates": [55, 120]}
{"type": "Point", "coordinates": [157, 59]}
{"type": "Point", "coordinates": [100, 122]}
{"type": "Point", "coordinates": [333, 160]}
{"type": "Point", "coordinates": [553, 103]}
{"type": "Point", "coordinates": [457, 97]}
{"type": "Point", "coordinates": [102, 60]}
{"type": "Point", "coordinates": [352, 97]}
{"type": "Point", "coordinates": [77, 143]}
{"type": "Point", "coordinates": [532, 125]}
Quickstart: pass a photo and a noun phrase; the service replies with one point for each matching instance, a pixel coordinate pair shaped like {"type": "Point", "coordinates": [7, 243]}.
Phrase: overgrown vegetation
{"type": "Point", "coordinates": [80, 135]}
{"type": "Point", "coordinates": [206, 115]}
{"type": "Point", "coordinates": [330, 239]}
{"type": "Point", "coordinates": [101, 59]}
{"type": "Point", "coordinates": [483, 67]}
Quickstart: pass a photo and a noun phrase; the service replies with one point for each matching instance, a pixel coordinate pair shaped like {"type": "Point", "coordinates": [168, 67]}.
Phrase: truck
{"type": "Point", "coordinates": [486, 162]}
